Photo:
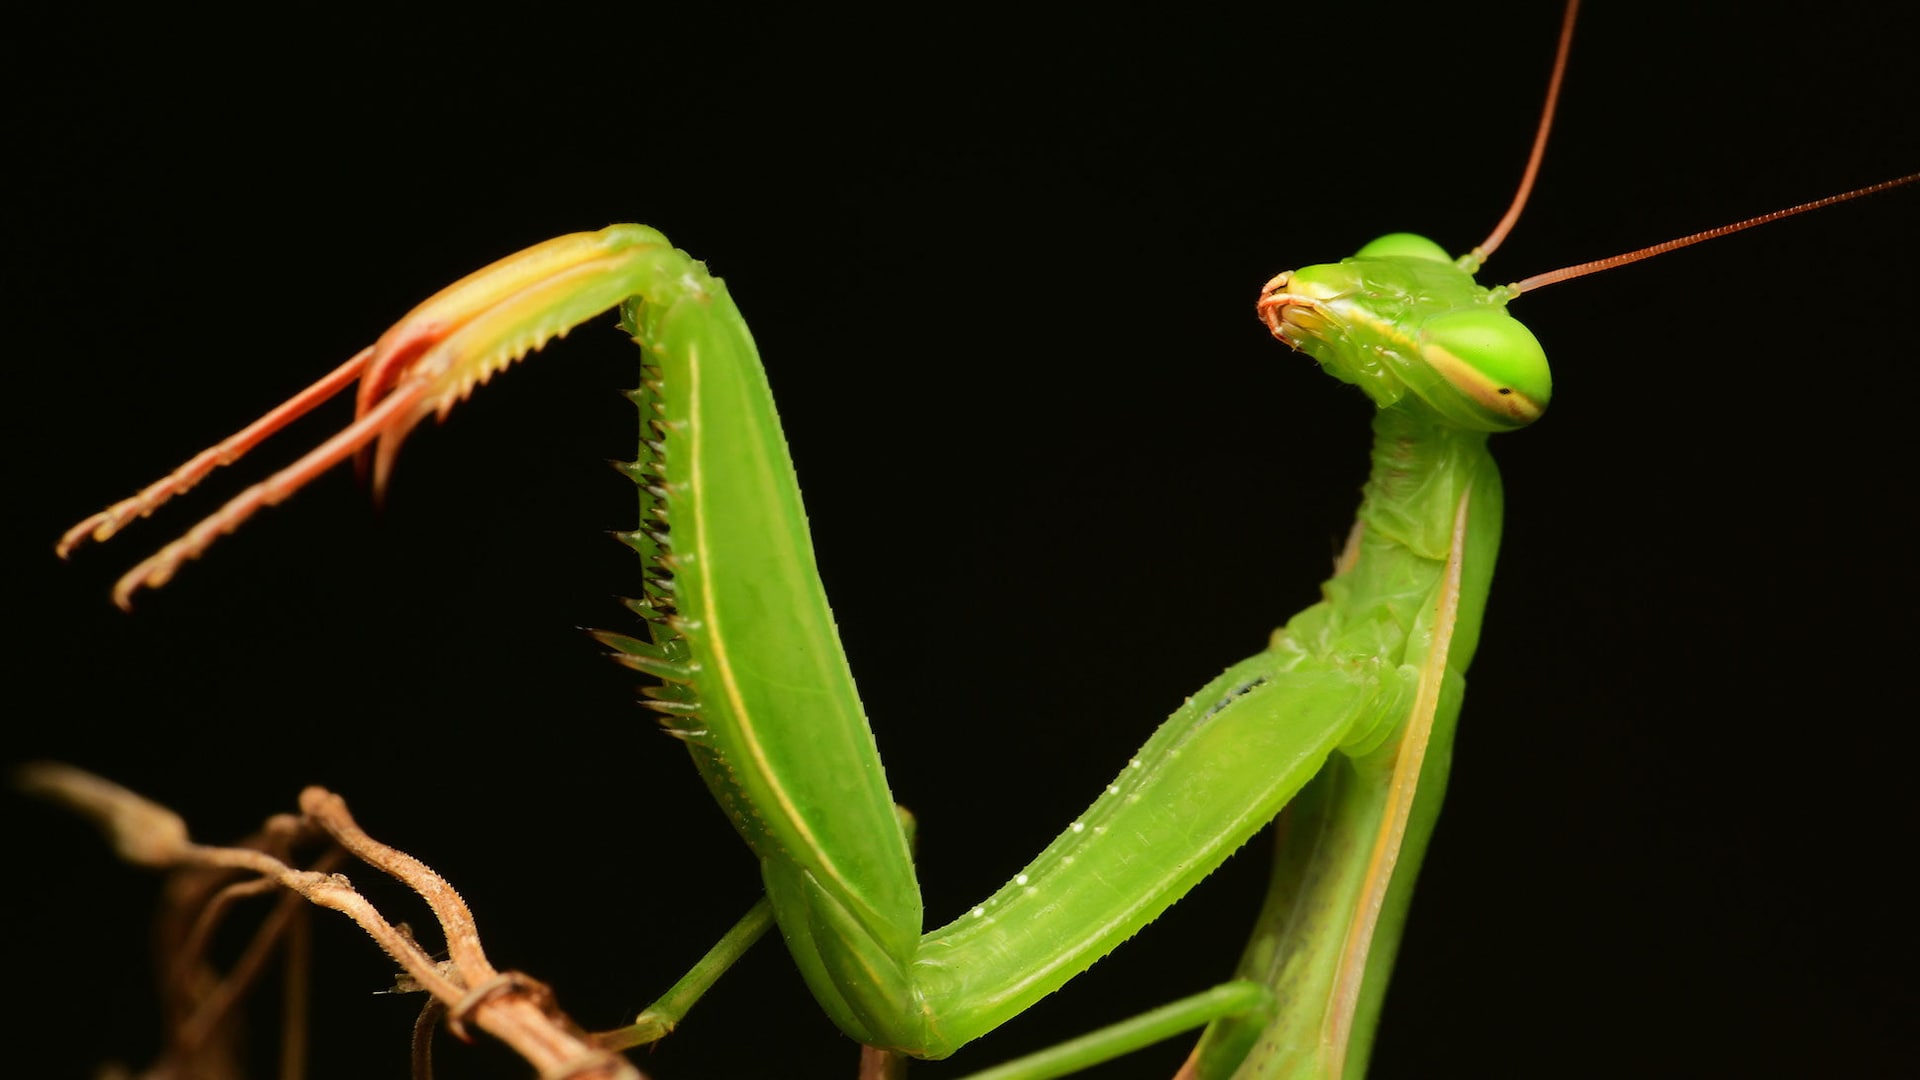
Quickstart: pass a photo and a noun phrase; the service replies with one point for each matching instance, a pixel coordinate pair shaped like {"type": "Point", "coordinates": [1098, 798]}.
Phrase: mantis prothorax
{"type": "Point", "coordinates": [1332, 721]}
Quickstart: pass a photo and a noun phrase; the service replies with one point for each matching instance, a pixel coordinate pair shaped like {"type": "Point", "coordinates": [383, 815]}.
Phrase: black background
{"type": "Point", "coordinates": [1059, 476]}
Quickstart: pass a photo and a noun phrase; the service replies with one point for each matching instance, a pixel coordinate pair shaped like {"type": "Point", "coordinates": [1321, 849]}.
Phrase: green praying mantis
{"type": "Point", "coordinates": [1156, 600]}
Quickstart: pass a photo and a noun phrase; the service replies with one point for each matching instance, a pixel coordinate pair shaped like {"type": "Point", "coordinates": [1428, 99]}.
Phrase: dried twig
{"type": "Point", "coordinates": [512, 1007]}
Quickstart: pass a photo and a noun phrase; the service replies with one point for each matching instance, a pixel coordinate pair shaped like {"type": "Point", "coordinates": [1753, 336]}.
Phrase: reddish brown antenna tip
{"type": "Point", "coordinates": [1568, 273]}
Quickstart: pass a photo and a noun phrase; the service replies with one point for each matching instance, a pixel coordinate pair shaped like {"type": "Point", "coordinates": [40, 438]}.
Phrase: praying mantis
{"type": "Point", "coordinates": [1169, 593]}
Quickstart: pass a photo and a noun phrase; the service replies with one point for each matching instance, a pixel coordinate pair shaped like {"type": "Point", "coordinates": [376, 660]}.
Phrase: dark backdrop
{"type": "Point", "coordinates": [1002, 276]}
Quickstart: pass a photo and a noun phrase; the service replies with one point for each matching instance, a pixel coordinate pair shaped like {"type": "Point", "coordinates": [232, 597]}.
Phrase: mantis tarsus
{"type": "Point", "coordinates": [1161, 576]}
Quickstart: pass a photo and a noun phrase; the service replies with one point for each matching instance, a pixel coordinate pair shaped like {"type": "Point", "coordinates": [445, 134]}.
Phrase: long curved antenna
{"type": "Point", "coordinates": [1485, 248]}
{"type": "Point", "coordinates": [1553, 277]}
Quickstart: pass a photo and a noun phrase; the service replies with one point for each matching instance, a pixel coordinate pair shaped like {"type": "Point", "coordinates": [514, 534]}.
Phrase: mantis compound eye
{"type": "Point", "coordinates": [1494, 365]}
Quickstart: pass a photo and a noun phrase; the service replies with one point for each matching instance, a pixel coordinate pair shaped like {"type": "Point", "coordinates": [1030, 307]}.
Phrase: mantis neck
{"type": "Point", "coordinates": [1422, 469]}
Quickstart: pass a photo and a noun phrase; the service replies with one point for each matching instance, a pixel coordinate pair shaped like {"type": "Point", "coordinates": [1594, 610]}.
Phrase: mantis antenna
{"type": "Point", "coordinates": [1568, 273]}
{"type": "Point", "coordinates": [1499, 234]}
{"type": "Point", "coordinates": [1475, 258]}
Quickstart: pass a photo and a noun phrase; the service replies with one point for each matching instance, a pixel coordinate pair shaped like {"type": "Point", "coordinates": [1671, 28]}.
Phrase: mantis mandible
{"type": "Point", "coordinates": [1318, 539]}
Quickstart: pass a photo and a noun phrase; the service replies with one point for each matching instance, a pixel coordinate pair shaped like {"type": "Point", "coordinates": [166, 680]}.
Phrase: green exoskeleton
{"type": "Point", "coordinates": [1346, 716]}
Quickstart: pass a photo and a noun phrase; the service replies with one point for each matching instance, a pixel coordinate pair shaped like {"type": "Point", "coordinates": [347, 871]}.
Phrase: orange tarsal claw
{"type": "Point", "coordinates": [427, 362]}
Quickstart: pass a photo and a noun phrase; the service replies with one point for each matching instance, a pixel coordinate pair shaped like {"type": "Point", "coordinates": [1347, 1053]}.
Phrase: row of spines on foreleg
{"type": "Point", "coordinates": [665, 655]}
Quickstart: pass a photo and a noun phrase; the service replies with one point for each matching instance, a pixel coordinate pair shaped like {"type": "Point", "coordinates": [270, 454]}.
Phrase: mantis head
{"type": "Point", "coordinates": [1401, 316]}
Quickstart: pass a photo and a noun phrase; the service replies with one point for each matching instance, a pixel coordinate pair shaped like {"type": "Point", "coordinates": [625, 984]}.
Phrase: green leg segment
{"type": "Point", "coordinates": [1227, 999]}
